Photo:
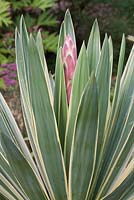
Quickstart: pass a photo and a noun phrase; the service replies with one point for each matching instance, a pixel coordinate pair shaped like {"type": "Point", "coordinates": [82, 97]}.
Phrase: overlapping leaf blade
{"type": "Point", "coordinates": [119, 73]}
{"type": "Point", "coordinates": [43, 61]}
{"type": "Point", "coordinates": [84, 143]}
{"type": "Point", "coordinates": [124, 173]}
{"type": "Point", "coordinates": [47, 133]}
{"type": "Point", "coordinates": [68, 27]}
{"type": "Point", "coordinates": [80, 79]}
{"type": "Point", "coordinates": [60, 99]}
{"type": "Point", "coordinates": [93, 48]}
{"type": "Point", "coordinates": [61, 36]}
{"type": "Point", "coordinates": [103, 78]}
{"type": "Point", "coordinates": [22, 169]}
{"type": "Point", "coordinates": [22, 41]}
{"type": "Point", "coordinates": [8, 178]}
{"type": "Point", "coordinates": [121, 129]}
{"type": "Point", "coordinates": [9, 127]}
{"type": "Point", "coordinates": [11, 189]}
{"type": "Point", "coordinates": [5, 194]}
{"type": "Point", "coordinates": [125, 189]}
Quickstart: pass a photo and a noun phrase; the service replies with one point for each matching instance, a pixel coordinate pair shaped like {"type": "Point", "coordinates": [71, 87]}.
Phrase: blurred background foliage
{"type": "Point", "coordinates": [38, 15]}
{"type": "Point", "coordinates": [114, 16]}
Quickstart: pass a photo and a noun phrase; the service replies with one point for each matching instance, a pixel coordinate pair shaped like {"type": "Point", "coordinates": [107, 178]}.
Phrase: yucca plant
{"type": "Point", "coordinates": [80, 142]}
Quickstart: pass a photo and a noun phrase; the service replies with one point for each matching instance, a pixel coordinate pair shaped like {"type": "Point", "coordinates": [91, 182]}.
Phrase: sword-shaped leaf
{"type": "Point", "coordinates": [79, 82]}
{"type": "Point", "coordinates": [22, 169]}
{"type": "Point", "coordinates": [93, 48]}
{"type": "Point", "coordinates": [84, 143]}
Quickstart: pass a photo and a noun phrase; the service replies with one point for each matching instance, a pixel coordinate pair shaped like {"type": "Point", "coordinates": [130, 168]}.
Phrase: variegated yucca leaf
{"type": "Point", "coordinates": [80, 149]}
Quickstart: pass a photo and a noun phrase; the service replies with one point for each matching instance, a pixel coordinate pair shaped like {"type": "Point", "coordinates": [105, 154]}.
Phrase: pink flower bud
{"type": "Point", "coordinates": [69, 58]}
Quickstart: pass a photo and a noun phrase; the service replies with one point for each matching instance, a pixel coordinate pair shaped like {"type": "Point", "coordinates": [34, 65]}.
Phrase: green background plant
{"type": "Point", "coordinates": [114, 17]}
{"type": "Point", "coordinates": [37, 14]}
